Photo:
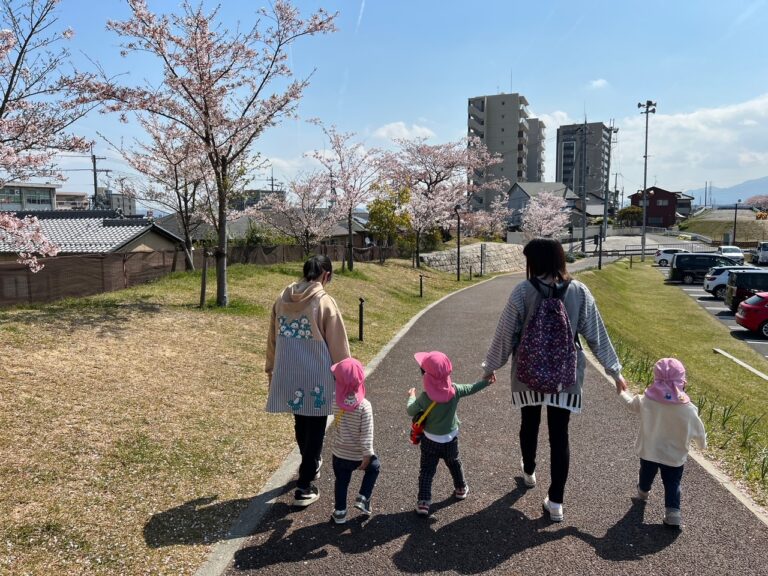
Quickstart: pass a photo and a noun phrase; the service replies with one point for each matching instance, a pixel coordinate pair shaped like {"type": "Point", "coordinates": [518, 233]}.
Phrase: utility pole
{"type": "Point", "coordinates": [96, 201]}
{"type": "Point", "coordinates": [583, 186]}
{"type": "Point", "coordinates": [611, 132]}
{"type": "Point", "coordinates": [649, 108]}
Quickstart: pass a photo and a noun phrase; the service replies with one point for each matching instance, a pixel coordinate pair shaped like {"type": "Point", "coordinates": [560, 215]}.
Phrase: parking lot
{"type": "Point", "coordinates": [719, 310]}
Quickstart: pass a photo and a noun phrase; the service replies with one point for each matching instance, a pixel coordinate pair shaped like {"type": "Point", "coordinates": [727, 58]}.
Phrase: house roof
{"type": "Point", "coordinates": [90, 231]}
{"type": "Point", "coordinates": [557, 188]}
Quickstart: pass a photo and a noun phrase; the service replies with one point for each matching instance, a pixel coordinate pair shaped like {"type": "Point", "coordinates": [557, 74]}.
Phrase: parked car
{"type": "Point", "coordinates": [732, 252]}
{"type": "Point", "coordinates": [692, 266]}
{"type": "Point", "coordinates": [664, 256]}
{"type": "Point", "coordinates": [753, 313]}
{"type": "Point", "coordinates": [743, 284]}
{"type": "Point", "coordinates": [760, 255]}
{"type": "Point", "coordinates": [717, 278]}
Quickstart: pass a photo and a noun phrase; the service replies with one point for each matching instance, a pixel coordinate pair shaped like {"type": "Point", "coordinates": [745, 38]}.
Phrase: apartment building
{"type": "Point", "coordinates": [502, 122]}
{"type": "Point", "coordinates": [20, 196]}
{"type": "Point", "coordinates": [595, 138]}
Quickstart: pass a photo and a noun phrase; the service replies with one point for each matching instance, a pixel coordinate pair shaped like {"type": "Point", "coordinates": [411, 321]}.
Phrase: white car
{"type": "Point", "coordinates": [732, 252]}
{"type": "Point", "coordinates": [716, 280]}
{"type": "Point", "coordinates": [664, 255]}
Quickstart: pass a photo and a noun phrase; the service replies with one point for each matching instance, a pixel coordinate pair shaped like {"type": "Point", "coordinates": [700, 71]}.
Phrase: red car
{"type": "Point", "coordinates": [753, 313]}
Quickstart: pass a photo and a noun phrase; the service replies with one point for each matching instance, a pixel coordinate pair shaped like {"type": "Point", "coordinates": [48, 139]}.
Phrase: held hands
{"type": "Point", "coordinates": [364, 463]}
{"type": "Point", "coordinates": [491, 378]}
{"type": "Point", "coordinates": [621, 384]}
{"type": "Point", "coordinates": [412, 393]}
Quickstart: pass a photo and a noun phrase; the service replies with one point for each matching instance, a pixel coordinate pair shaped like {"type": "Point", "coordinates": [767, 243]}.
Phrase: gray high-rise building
{"type": "Point", "coordinates": [570, 141]}
{"type": "Point", "coordinates": [536, 145]}
{"type": "Point", "coordinates": [502, 122]}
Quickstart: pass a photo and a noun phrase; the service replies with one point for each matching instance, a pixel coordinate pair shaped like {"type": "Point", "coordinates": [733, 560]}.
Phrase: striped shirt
{"type": "Point", "coordinates": [585, 321]}
{"type": "Point", "coordinates": [353, 432]}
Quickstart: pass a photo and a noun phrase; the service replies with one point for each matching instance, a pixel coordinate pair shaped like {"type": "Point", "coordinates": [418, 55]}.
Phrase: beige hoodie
{"type": "Point", "coordinates": [306, 336]}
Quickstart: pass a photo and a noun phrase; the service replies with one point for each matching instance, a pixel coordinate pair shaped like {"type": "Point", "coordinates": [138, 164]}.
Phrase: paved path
{"type": "Point", "coordinates": [500, 527]}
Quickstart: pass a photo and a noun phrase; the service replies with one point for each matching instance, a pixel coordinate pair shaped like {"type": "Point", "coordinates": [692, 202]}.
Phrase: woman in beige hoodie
{"type": "Point", "coordinates": [306, 336]}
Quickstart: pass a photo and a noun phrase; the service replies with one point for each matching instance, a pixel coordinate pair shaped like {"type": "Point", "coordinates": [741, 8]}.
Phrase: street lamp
{"type": "Point", "coordinates": [735, 213]}
{"type": "Point", "coordinates": [458, 242]}
{"type": "Point", "coordinates": [649, 108]}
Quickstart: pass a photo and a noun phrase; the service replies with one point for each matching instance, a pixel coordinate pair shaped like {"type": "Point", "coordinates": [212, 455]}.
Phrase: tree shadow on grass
{"type": "Point", "coordinates": [204, 520]}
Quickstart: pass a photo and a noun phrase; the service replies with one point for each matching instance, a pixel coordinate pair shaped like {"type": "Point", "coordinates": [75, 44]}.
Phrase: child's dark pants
{"type": "Point", "coordinates": [671, 477]}
{"type": "Point", "coordinates": [343, 469]}
{"type": "Point", "coordinates": [431, 454]}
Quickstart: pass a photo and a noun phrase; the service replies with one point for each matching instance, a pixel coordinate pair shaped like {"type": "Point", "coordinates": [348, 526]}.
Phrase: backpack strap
{"type": "Point", "coordinates": [426, 413]}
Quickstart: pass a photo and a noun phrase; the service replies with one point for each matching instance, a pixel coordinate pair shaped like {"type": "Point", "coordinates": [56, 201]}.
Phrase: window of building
{"type": "Point", "coordinates": [662, 202]}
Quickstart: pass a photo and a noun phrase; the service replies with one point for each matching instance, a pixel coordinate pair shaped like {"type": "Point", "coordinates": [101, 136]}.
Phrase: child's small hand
{"type": "Point", "coordinates": [364, 463]}
{"type": "Point", "coordinates": [491, 378]}
{"type": "Point", "coordinates": [412, 393]}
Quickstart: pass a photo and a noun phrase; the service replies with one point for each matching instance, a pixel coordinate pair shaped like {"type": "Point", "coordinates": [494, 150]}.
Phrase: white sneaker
{"type": "Point", "coordinates": [554, 509]}
{"type": "Point", "coordinates": [339, 516]}
{"type": "Point", "coordinates": [673, 519]}
{"type": "Point", "coordinates": [642, 495]}
{"type": "Point", "coordinates": [528, 479]}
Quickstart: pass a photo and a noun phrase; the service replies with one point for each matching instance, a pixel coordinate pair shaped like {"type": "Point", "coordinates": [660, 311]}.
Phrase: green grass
{"type": "Point", "coordinates": [747, 230]}
{"type": "Point", "coordinates": [648, 320]}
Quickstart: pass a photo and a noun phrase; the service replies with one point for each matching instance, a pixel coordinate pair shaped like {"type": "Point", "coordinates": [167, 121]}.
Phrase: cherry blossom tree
{"type": "Point", "coordinates": [760, 201]}
{"type": "Point", "coordinates": [39, 102]}
{"type": "Point", "coordinates": [307, 214]}
{"type": "Point", "coordinates": [353, 170]}
{"type": "Point", "coordinates": [172, 166]}
{"type": "Point", "coordinates": [438, 177]}
{"type": "Point", "coordinates": [217, 85]}
{"type": "Point", "coordinates": [544, 216]}
{"type": "Point", "coordinates": [488, 224]}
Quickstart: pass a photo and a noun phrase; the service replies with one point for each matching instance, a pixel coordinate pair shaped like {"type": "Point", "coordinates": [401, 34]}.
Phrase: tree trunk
{"type": "Point", "coordinates": [349, 240]}
{"type": "Point", "coordinates": [189, 263]}
{"type": "Point", "coordinates": [418, 260]}
{"type": "Point", "coordinates": [222, 297]}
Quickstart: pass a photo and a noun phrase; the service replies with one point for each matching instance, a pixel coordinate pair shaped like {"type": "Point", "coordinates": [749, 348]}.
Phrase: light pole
{"type": "Point", "coordinates": [458, 242]}
{"type": "Point", "coordinates": [649, 108]}
{"type": "Point", "coordinates": [735, 214]}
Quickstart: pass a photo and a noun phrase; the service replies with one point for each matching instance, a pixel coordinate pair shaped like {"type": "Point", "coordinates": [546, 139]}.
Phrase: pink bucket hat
{"type": "Point", "coordinates": [350, 383]}
{"type": "Point", "coordinates": [437, 375]}
{"type": "Point", "coordinates": [668, 382]}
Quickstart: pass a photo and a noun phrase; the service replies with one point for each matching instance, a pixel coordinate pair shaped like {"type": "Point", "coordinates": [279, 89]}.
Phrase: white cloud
{"type": "Point", "coordinates": [686, 149]}
{"type": "Point", "coordinates": [360, 16]}
{"type": "Point", "coordinates": [598, 84]}
{"type": "Point", "coordinates": [401, 130]}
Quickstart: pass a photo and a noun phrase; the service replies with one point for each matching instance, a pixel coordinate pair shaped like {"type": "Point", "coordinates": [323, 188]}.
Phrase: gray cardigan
{"type": "Point", "coordinates": [585, 321]}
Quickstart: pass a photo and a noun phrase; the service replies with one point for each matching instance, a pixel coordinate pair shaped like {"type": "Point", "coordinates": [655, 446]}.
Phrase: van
{"type": "Point", "coordinates": [691, 267]}
{"type": "Point", "coordinates": [742, 284]}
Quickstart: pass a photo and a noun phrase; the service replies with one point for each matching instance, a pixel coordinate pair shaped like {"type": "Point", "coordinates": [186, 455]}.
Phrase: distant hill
{"type": "Point", "coordinates": [730, 195]}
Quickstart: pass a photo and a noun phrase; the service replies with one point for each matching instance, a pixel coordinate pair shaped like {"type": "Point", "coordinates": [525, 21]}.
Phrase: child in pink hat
{"type": "Point", "coordinates": [352, 438]}
{"type": "Point", "coordinates": [668, 424]}
{"type": "Point", "coordinates": [441, 427]}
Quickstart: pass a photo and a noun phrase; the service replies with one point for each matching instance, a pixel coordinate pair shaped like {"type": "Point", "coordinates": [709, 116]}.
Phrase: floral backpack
{"type": "Point", "coordinates": [546, 357]}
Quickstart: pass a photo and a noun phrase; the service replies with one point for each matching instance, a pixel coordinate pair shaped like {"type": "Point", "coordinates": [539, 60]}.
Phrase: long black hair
{"type": "Point", "coordinates": [315, 267]}
{"type": "Point", "coordinates": [545, 257]}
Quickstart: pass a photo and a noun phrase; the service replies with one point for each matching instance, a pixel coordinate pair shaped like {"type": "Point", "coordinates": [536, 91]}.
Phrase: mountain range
{"type": "Point", "coordinates": [730, 195]}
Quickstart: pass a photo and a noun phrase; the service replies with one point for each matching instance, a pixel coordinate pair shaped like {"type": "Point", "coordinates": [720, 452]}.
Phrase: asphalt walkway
{"type": "Point", "coordinates": [500, 528]}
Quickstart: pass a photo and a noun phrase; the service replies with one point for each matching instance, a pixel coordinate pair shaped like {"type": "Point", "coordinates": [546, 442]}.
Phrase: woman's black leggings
{"type": "Point", "coordinates": [560, 454]}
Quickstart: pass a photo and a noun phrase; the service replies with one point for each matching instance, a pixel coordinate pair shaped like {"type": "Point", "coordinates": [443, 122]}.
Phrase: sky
{"type": "Point", "coordinates": [403, 68]}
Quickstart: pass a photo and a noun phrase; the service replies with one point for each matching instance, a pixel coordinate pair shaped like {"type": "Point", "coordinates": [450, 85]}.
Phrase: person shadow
{"type": "Point", "coordinates": [487, 533]}
{"type": "Point", "coordinates": [630, 538]}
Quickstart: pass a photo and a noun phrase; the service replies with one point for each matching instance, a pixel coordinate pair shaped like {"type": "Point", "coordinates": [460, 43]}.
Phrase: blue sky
{"type": "Point", "coordinates": [407, 67]}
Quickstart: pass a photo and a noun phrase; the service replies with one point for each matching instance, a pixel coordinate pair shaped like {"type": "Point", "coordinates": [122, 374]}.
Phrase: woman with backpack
{"type": "Point", "coordinates": [540, 328]}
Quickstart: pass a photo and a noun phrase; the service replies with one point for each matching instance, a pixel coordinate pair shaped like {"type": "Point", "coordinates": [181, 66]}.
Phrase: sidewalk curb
{"type": "Point", "coordinates": [223, 552]}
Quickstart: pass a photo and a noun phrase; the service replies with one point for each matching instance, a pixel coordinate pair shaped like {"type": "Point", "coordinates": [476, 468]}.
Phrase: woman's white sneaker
{"type": "Point", "coordinates": [554, 509]}
{"type": "Point", "coordinates": [528, 479]}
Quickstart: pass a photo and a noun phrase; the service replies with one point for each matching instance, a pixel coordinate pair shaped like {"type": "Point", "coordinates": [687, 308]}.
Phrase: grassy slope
{"type": "Point", "coordinates": [747, 229]}
{"type": "Point", "coordinates": [133, 426]}
{"type": "Point", "coordinates": [652, 320]}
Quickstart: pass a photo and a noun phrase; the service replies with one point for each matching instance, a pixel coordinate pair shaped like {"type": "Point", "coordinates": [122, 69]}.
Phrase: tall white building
{"type": "Point", "coordinates": [502, 122]}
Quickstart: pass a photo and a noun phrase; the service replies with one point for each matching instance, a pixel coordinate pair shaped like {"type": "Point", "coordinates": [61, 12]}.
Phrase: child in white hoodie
{"type": "Point", "coordinates": [668, 424]}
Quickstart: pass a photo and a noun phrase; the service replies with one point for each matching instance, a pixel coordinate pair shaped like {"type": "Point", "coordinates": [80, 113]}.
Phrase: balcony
{"type": "Point", "coordinates": [476, 127]}
{"type": "Point", "coordinates": [475, 111]}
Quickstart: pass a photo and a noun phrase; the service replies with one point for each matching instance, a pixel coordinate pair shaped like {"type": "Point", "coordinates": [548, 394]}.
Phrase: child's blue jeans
{"type": "Point", "coordinates": [671, 477]}
{"type": "Point", "coordinates": [343, 469]}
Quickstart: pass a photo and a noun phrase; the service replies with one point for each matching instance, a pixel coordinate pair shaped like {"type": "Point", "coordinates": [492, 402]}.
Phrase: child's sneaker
{"type": "Point", "coordinates": [461, 493]}
{"type": "Point", "coordinates": [642, 494]}
{"type": "Point", "coordinates": [305, 497]}
{"type": "Point", "coordinates": [339, 516]}
{"type": "Point", "coordinates": [422, 507]}
{"type": "Point", "coordinates": [363, 504]}
{"type": "Point", "coordinates": [554, 509]}
{"type": "Point", "coordinates": [528, 479]}
{"type": "Point", "coordinates": [673, 519]}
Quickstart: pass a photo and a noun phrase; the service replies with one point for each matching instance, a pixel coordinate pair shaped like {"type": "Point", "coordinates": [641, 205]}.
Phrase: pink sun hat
{"type": "Point", "coordinates": [668, 382]}
{"type": "Point", "coordinates": [350, 383]}
{"type": "Point", "coordinates": [437, 375]}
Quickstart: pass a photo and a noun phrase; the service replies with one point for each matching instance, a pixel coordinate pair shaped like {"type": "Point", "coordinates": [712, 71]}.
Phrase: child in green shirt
{"type": "Point", "coordinates": [441, 427]}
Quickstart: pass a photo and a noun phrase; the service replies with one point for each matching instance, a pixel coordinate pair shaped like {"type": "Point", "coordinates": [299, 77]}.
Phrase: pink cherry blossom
{"type": "Point", "coordinates": [545, 216]}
